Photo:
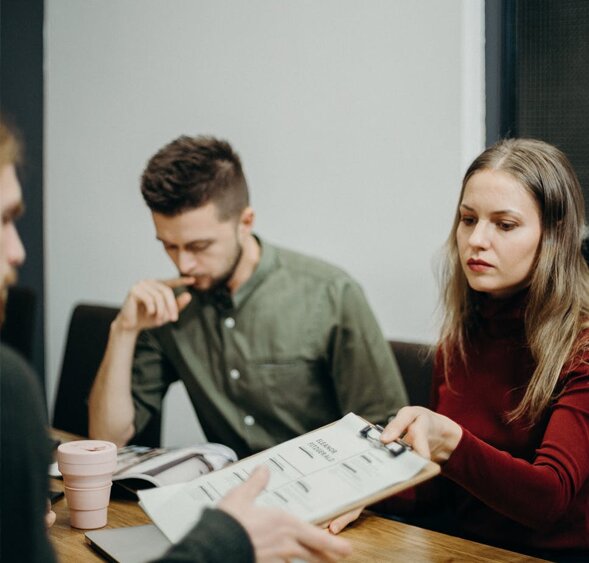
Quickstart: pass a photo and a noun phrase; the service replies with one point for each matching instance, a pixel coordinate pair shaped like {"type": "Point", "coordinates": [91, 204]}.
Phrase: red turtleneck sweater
{"type": "Point", "coordinates": [510, 485]}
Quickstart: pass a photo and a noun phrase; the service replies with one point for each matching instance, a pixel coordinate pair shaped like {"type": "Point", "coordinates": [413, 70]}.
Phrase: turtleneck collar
{"type": "Point", "coordinates": [501, 317]}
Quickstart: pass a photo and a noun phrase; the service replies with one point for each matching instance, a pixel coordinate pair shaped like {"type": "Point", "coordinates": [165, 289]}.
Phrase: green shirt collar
{"type": "Point", "coordinates": [268, 263]}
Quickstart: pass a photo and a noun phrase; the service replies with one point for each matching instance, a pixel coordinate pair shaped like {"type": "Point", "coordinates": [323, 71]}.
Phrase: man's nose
{"type": "Point", "coordinates": [15, 249]}
{"type": "Point", "coordinates": [186, 262]}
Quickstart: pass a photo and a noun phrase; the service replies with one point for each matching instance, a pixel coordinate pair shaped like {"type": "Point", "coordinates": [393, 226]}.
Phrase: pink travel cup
{"type": "Point", "coordinates": [87, 467]}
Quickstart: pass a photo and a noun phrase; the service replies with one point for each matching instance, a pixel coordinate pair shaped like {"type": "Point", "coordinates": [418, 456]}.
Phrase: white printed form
{"type": "Point", "coordinates": [313, 476]}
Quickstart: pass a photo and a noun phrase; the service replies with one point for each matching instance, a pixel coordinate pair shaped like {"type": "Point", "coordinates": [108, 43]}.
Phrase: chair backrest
{"type": "Point", "coordinates": [585, 249]}
{"type": "Point", "coordinates": [416, 364]}
{"type": "Point", "coordinates": [19, 322]}
{"type": "Point", "coordinates": [85, 345]}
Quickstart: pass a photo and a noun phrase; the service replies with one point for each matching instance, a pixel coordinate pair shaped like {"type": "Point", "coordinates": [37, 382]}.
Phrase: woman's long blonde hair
{"type": "Point", "coordinates": [558, 305]}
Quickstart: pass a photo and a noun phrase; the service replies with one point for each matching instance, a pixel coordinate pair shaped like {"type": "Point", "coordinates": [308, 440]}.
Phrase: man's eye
{"type": "Point", "coordinates": [199, 248]}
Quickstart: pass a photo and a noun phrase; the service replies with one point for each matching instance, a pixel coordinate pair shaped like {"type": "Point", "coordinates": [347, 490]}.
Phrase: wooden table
{"type": "Point", "coordinates": [373, 538]}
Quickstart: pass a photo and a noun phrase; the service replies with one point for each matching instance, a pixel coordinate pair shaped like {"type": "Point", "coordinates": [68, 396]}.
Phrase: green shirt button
{"type": "Point", "coordinates": [249, 420]}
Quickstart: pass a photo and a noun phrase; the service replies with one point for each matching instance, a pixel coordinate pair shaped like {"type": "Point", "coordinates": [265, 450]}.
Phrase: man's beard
{"type": "Point", "coordinates": [3, 295]}
{"type": "Point", "coordinates": [9, 279]}
{"type": "Point", "coordinates": [220, 283]}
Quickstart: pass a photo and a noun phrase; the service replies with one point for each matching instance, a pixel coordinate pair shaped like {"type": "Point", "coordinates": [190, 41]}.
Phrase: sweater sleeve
{"type": "Point", "coordinates": [535, 493]}
{"type": "Point", "coordinates": [217, 538]}
{"type": "Point", "coordinates": [25, 456]}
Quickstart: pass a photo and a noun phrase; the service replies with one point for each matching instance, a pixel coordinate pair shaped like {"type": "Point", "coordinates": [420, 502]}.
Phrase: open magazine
{"type": "Point", "coordinates": [141, 467]}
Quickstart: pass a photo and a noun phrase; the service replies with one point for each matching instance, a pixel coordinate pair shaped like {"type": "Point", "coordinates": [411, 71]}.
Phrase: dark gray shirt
{"type": "Point", "coordinates": [296, 347]}
{"type": "Point", "coordinates": [25, 455]}
{"type": "Point", "coordinates": [217, 538]}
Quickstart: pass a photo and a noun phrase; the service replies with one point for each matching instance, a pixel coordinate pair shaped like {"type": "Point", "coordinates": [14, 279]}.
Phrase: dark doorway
{"type": "Point", "coordinates": [21, 103]}
{"type": "Point", "coordinates": [537, 58]}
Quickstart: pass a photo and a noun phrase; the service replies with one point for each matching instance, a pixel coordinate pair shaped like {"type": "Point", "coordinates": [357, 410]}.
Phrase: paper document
{"type": "Point", "coordinates": [141, 467]}
{"type": "Point", "coordinates": [315, 476]}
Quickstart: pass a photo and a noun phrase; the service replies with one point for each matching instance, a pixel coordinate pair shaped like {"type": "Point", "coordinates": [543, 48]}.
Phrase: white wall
{"type": "Point", "coordinates": [354, 120]}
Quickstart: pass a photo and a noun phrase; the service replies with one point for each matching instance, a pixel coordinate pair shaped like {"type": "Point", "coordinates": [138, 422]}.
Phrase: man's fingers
{"type": "Point", "coordinates": [170, 300]}
{"type": "Point", "coordinates": [248, 491]}
{"type": "Point", "coordinates": [320, 541]}
{"type": "Point", "coordinates": [140, 295]}
{"type": "Point", "coordinates": [179, 282]}
{"type": "Point", "coordinates": [158, 300]}
{"type": "Point", "coordinates": [311, 543]}
{"type": "Point", "coordinates": [255, 483]}
{"type": "Point", "coordinates": [50, 516]}
{"type": "Point", "coordinates": [163, 300]}
{"type": "Point", "coordinates": [315, 556]}
{"type": "Point", "coordinates": [182, 300]}
{"type": "Point", "coordinates": [176, 303]}
{"type": "Point", "coordinates": [152, 303]}
{"type": "Point", "coordinates": [292, 548]}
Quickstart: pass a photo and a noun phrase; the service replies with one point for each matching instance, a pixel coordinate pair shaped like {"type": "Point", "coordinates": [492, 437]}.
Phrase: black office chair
{"type": "Point", "coordinates": [585, 249]}
{"type": "Point", "coordinates": [19, 321]}
{"type": "Point", "coordinates": [416, 365]}
{"type": "Point", "coordinates": [85, 345]}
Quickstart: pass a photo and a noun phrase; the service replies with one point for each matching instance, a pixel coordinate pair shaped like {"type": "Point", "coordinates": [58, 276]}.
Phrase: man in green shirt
{"type": "Point", "coordinates": [269, 343]}
{"type": "Point", "coordinates": [237, 530]}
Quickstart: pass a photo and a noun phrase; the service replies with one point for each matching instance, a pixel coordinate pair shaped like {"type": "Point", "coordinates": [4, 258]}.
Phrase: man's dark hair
{"type": "Point", "coordinates": [190, 172]}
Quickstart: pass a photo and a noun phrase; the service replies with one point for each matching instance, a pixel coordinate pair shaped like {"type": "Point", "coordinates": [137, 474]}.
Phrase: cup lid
{"type": "Point", "coordinates": [86, 451]}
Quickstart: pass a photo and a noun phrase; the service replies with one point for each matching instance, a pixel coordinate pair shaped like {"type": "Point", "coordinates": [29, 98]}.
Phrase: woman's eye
{"type": "Point", "coordinates": [505, 226]}
{"type": "Point", "coordinates": [468, 220]}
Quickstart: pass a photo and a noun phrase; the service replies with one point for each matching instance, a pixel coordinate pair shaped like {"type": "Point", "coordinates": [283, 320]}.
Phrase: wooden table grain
{"type": "Point", "coordinates": [374, 539]}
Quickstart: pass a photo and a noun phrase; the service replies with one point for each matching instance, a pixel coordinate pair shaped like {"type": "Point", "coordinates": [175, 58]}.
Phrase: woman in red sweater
{"type": "Point", "coordinates": [509, 423]}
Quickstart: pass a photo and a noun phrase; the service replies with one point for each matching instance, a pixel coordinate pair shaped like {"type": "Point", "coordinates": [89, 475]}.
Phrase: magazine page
{"type": "Point", "coordinates": [167, 466]}
{"type": "Point", "coordinates": [315, 476]}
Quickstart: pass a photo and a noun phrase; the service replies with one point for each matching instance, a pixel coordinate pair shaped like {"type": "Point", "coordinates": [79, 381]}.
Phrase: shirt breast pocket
{"type": "Point", "coordinates": [295, 388]}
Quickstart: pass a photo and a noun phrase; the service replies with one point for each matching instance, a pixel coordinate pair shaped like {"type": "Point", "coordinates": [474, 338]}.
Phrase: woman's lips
{"type": "Point", "coordinates": [478, 265]}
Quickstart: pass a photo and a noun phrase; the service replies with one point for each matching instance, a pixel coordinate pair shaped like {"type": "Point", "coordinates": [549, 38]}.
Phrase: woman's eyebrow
{"type": "Point", "coordinates": [496, 212]}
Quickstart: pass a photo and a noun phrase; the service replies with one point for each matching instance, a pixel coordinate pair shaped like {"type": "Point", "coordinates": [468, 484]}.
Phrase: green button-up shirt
{"type": "Point", "coordinates": [297, 348]}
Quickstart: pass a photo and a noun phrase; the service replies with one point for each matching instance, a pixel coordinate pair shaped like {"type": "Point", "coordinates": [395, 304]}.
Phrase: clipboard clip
{"type": "Point", "coordinates": [395, 448]}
